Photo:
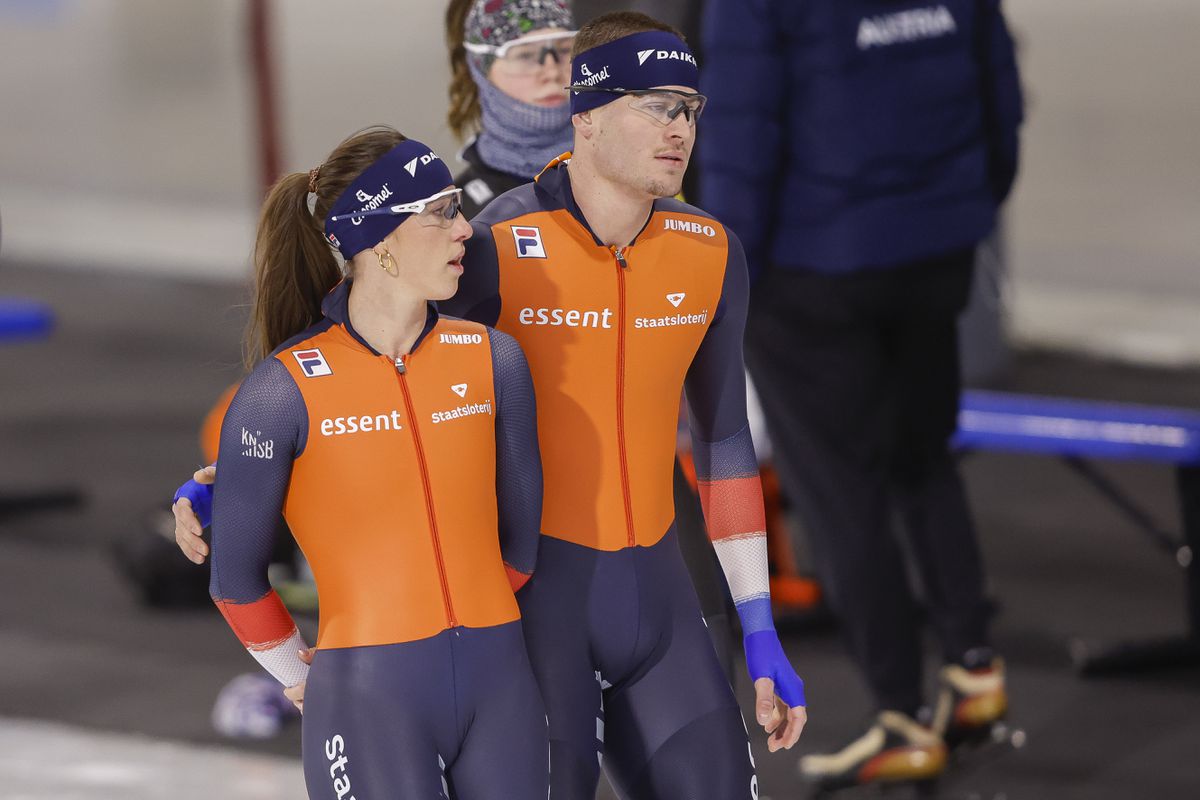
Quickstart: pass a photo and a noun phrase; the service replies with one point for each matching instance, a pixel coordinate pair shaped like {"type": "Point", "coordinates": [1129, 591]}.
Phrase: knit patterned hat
{"type": "Point", "coordinates": [497, 22]}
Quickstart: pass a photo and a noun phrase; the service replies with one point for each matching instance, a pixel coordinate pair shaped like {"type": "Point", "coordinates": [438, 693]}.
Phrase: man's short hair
{"type": "Point", "coordinates": [616, 25]}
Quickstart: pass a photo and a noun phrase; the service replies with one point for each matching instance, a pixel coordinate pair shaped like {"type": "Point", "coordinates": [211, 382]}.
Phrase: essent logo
{"type": "Point", "coordinates": [361, 423]}
{"type": "Point", "coordinates": [565, 317]}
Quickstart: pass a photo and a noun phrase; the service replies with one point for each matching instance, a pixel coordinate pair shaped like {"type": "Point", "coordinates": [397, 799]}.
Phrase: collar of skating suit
{"type": "Point", "coordinates": [336, 308]}
{"type": "Point", "coordinates": [554, 191]}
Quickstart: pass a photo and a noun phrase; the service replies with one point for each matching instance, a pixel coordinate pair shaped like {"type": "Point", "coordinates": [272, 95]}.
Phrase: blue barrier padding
{"type": "Point", "coordinates": [1026, 423]}
{"type": "Point", "coordinates": [24, 319]}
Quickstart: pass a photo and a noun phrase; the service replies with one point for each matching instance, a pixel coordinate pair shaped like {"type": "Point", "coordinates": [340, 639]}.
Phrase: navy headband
{"type": "Point", "coordinates": [638, 61]}
{"type": "Point", "coordinates": [408, 172]}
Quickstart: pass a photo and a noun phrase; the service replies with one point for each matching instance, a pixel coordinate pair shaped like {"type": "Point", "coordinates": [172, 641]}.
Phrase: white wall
{"type": "Point", "coordinates": [1105, 223]}
{"type": "Point", "coordinates": [128, 131]}
{"type": "Point", "coordinates": [128, 141]}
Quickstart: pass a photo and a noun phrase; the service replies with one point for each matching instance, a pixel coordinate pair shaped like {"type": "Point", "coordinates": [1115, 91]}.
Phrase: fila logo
{"type": "Point", "coordinates": [312, 362]}
{"type": "Point", "coordinates": [459, 389]}
{"type": "Point", "coordinates": [460, 338]}
{"type": "Point", "coordinates": [529, 242]}
{"type": "Point", "coordinates": [672, 224]}
{"type": "Point", "coordinates": [664, 55]}
{"type": "Point", "coordinates": [676, 298]}
{"type": "Point", "coordinates": [411, 167]}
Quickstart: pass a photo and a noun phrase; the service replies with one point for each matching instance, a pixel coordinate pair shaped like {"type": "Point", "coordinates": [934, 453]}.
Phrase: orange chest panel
{"type": "Point", "coordinates": [609, 345]}
{"type": "Point", "coordinates": [393, 498]}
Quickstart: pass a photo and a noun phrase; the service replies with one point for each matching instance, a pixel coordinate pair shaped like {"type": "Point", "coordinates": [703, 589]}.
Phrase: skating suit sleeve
{"type": "Point", "coordinates": [264, 431]}
{"type": "Point", "coordinates": [726, 466]}
{"type": "Point", "coordinates": [518, 461]}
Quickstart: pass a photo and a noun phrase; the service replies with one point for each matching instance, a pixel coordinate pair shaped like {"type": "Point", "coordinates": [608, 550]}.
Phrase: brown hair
{"type": "Point", "coordinates": [463, 116]}
{"type": "Point", "coordinates": [294, 266]}
{"type": "Point", "coordinates": [615, 25]}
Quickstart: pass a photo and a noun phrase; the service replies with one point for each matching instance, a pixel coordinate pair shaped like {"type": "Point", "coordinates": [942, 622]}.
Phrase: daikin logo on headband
{"type": "Point", "coordinates": [644, 60]}
{"type": "Point", "coordinates": [660, 55]}
{"type": "Point", "coordinates": [408, 172]}
{"type": "Point", "coordinates": [429, 158]}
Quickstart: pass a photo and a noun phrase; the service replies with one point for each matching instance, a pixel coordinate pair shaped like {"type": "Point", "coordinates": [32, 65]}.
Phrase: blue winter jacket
{"type": "Point", "coordinates": [843, 135]}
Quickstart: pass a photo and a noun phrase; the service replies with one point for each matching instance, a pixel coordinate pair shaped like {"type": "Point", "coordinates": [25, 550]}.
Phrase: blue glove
{"type": "Point", "coordinates": [765, 659]}
{"type": "Point", "coordinates": [201, 496]}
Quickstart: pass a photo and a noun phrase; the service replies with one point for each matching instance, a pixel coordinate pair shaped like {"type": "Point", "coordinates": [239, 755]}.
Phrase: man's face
{"type": "Point", "coordinates": [637, 149]}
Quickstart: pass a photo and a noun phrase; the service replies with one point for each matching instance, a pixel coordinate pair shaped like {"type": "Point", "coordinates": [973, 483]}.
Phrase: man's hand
{"type": "Point", "coordinates": [296, 693]}
{"type": "Point", "coordinates": [188, 529]}
{"type": "Point", "coordinates": [782, 722]}
{"type": "Point", "coordinates": [782, 715]}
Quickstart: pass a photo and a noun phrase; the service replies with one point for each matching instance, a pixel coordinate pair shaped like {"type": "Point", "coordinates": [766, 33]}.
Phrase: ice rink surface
{"type": "Point", "coordinates": [48, 761]}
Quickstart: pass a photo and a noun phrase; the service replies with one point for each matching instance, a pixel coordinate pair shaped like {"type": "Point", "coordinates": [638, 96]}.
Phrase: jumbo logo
{"type": "Point", "coordinates": [672, 224]}
{"type": "Point", "coordinates": [460, 338]}
{"type": "Point", "coordinates": [411, 167]}
{"type": "Point", "coordinates": [529, 242]}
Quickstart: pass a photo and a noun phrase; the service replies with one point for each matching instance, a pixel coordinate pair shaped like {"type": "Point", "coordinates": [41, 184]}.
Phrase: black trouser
{"type": "Point", "coordinates": [859, 380]}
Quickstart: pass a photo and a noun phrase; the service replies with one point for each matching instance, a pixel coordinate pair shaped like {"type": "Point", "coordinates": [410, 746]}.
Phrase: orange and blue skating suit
{"type": "Point", "coordinates": [413, 488]}
{"type": "Point", "coordinates": [614, 337]}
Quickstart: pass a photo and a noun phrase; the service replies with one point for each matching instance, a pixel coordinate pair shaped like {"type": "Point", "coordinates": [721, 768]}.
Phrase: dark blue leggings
{"type": "Point", "coordinates": [457, 715]}
{"type": "Point", "coordinates": [630, 678]}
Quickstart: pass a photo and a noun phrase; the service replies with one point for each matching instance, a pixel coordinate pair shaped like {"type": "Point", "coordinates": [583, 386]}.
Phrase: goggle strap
{"type": "Point", "coordinates": [415, 207]}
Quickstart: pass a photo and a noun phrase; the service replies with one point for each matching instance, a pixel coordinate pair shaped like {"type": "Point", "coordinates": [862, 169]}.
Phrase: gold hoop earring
{"type": "Point", "coordinates": [394, 270]}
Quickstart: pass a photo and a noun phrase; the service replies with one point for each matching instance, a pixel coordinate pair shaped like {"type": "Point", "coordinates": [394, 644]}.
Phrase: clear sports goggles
{"type": "Point", "coordinates": [529, 52]}
{"type": "Point", "coordinates": [661, 105]}
{"type": "Point", "coordinates": [428, 210]}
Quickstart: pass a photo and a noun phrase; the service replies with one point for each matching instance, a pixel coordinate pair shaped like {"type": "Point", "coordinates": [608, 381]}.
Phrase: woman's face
{"type": "Point", "coordinates": [535, 73]}
{"type": "Point", "coordinates": [428, 249]}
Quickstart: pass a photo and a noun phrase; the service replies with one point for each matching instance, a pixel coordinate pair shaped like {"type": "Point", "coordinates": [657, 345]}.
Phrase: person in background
{"type": "Point", "coordinates": [861, 149]}
{"type": "Point", "coordinates": [510, 61]}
